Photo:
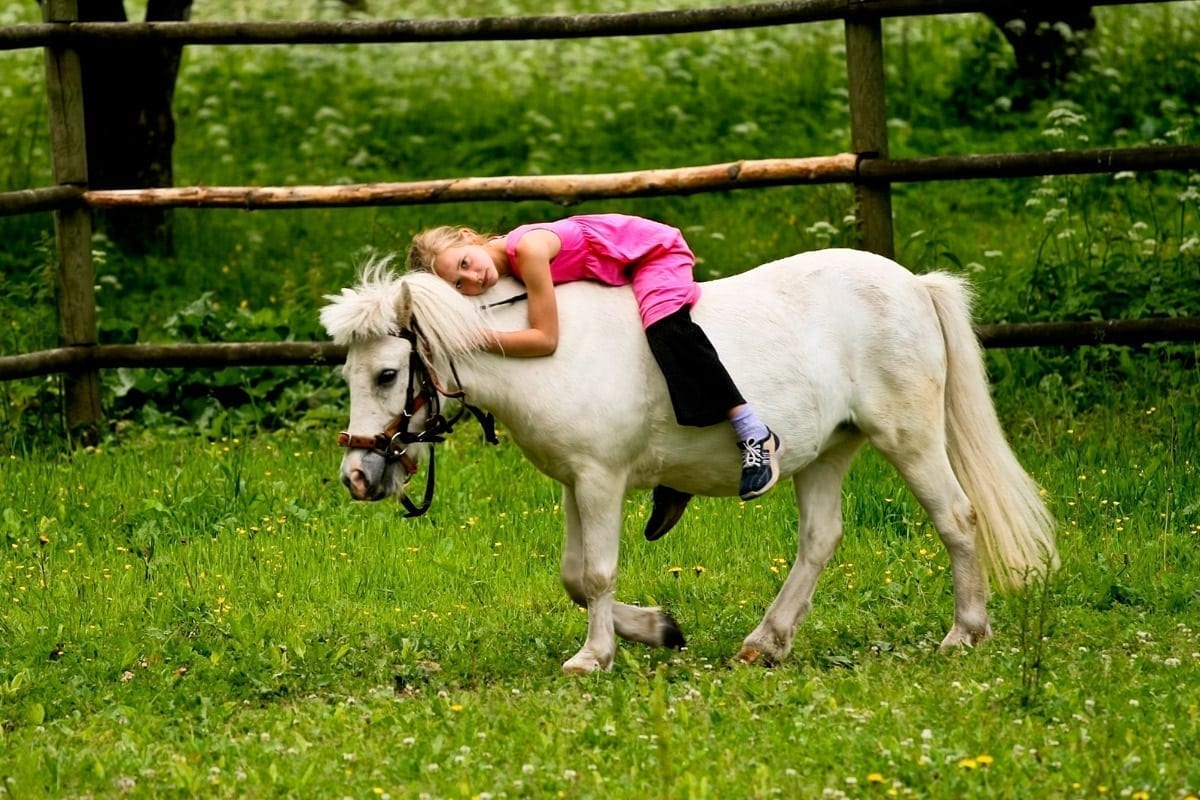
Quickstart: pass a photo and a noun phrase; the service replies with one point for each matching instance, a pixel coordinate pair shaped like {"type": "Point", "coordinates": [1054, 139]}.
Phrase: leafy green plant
{"type": "Point", "coordinates": [1063, 248]}
{"type": "Point", "coordinates": [230, 401]}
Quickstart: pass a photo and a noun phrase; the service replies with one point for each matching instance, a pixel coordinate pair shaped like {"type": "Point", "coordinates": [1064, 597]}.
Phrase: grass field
{"type": "Point", "coordinates": [184, 618]}
{"type": "Point", "coordinates": [196, 608]}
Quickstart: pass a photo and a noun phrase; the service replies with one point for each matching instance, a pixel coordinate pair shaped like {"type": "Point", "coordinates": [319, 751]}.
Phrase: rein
{"type": "Point", "coordinates": [424, 392]}
{"type": "Point", "coordinates": [516, 298]}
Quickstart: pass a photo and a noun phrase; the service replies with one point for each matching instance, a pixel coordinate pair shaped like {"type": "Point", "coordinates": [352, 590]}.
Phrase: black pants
{"type": "Point", "coordinates": [700, 388]}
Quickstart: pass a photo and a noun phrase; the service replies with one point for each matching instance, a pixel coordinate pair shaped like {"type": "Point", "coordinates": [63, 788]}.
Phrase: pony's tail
{"type": "Point", "coordinates": [1013, 525]}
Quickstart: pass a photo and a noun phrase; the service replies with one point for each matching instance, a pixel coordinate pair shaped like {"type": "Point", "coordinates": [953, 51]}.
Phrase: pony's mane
{"type": "Point", "coordinates": [452, 324]}
{"type": "Point", "coordinates": [367, 311]}
{"type": "Point", "coordinates": [373, 308]}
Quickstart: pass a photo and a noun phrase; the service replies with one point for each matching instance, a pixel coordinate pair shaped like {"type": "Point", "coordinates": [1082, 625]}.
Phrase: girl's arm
{"type": "Point", "coordinates": [534, 252]}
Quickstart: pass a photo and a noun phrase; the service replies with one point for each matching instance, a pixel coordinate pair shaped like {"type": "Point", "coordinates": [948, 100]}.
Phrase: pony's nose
{"type": "Point", "coordinates": [358, 483]}
{"type": "Point", "coordinates": [363, 475]}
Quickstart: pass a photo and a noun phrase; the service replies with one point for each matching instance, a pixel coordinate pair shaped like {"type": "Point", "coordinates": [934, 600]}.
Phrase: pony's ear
{"type": "Point", "coordinates": [403, 306]}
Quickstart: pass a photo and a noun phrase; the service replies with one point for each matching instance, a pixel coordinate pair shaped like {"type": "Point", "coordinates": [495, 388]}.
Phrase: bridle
{"type": "Point", "coordinates": [424, 392]}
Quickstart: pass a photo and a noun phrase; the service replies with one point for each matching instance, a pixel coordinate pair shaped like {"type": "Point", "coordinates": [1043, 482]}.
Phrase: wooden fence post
{"type": "Point", "coordinates": [868, 130]}
{"type": "Point", "coordinates": [73, 226]}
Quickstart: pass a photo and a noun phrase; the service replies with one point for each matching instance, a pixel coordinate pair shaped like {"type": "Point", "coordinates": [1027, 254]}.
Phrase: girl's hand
{"type": "Point", "coordinates": [533, 254]}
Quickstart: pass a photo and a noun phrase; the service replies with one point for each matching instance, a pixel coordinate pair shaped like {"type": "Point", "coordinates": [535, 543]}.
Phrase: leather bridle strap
{"type": "Point", "coordinates": [389, 444]}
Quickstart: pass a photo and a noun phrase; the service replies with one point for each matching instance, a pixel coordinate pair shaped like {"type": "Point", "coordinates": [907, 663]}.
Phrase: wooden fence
{"type": "Point", "coordinates": [868, 167]}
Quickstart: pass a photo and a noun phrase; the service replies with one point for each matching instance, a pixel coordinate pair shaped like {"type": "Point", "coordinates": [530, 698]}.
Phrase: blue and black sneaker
{"type": "Point", "coordinates": [760, 465]}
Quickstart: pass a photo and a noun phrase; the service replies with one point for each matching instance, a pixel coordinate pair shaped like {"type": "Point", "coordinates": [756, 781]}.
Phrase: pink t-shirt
{"type": "Point", "coordinates": [618, 249]}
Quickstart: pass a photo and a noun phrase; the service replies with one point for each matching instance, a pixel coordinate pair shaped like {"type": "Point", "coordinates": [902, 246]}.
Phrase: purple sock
{"type": "Point", "coordinates": [748, 426]}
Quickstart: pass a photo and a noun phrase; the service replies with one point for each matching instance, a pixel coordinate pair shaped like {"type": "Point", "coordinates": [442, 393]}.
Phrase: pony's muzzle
{"type": "Point", "coordinates": [364, 475]}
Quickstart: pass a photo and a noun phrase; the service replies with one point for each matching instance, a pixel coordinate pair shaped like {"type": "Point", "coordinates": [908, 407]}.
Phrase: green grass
{"type": "Point", "coordinates": [185, 618]}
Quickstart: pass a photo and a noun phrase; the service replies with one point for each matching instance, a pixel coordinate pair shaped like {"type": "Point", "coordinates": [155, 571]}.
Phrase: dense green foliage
{"type": "Point", "coordinates": [1061, 248]}
{"type": "Point", "coordinates": [195, 608]}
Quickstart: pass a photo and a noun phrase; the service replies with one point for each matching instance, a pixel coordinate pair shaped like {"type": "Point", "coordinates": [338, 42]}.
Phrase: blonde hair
{"type": "Point", "coordinates": [427, 245]}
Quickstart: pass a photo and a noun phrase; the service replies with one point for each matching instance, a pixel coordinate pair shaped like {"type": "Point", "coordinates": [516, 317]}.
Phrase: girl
{"type": "Point", "coordinates": [617, 250]}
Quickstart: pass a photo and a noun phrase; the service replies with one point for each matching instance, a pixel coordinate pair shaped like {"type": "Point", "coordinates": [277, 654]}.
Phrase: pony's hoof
{"type": "Point", "coordinates": [962, 639]}
{"type": "Point", "coordinates": [763, 649]}
{"type": "Point", "coordinates": [583, 664]}
{"type": "Point", "coordinates": [672, 636]}
{"type": "Point", "coordinates": [749, 655]}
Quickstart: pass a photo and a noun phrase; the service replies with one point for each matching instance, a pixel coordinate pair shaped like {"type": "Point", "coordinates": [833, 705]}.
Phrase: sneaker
{"type": "Point", "coordinates": [760, 465]}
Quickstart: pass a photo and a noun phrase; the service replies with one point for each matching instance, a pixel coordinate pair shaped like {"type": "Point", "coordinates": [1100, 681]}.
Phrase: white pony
{"type": "Point", "coordinates": [833, 348]}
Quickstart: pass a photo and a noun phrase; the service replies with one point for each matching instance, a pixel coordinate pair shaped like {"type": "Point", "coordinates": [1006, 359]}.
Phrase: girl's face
{"type": "Point", "coordinates": [468, 268]}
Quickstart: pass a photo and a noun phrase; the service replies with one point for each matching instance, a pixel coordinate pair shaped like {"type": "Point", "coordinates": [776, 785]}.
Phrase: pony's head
{"type": "Point", "coordinates": [386, 321]}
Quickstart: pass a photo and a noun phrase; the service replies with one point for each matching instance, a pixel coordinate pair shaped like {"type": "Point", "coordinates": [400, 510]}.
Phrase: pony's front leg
{"type": "Point", "coordinates": [589, 570]}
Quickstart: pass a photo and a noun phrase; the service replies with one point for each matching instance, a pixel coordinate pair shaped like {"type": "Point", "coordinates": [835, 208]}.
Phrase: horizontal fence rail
{"type": "Point", "coordinates": [1028, 165]}
{"type": "Point", "coordinates": [648, 23]}
{"type": "Point", "coordinates": [569, 189]}
{"type": "Point", "coordinates": [1093, 332]}
{"type": "Point", "coordinates": [50, 198]}
{"type": "Point", "coordinates": [277, 354]}
{"type": "Point", "coordinates": [166, 356]}
{"type": "Point", "coordinates": [557, 188]}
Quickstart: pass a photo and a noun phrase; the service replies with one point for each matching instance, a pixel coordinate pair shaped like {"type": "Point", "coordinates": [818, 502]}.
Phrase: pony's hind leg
{"type": "Point", "coordinates": [928, 473]}
{"type": "Point", "coordinates": [589, 570]}
{"type": "Point", "coordinates": [819, 499]}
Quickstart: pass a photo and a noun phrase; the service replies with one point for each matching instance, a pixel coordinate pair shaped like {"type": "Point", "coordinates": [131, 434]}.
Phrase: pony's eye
{"type": "Point", "coordinates": [386, 377]}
